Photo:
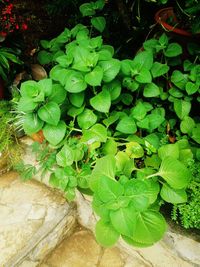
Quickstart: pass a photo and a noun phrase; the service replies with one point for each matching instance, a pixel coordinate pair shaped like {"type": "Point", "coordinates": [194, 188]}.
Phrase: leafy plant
{"type": "Point", "coordinates": [120, 130]}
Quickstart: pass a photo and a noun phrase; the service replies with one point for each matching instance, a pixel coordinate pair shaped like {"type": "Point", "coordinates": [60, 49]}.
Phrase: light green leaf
{"type": "Point", "coordinates": [191, 88]}
{"type": "Point", "coordinates": [32, 124]}
{"type": "Point", "coordinates": [174, 173]}
{"type": "Point", "coordinates": [169, 150]}
{"type": "Point", "coordinates": [58, 94]}
{"type": "Point", "coordinates": [182, 108]}
{"type": "Point", "coordinates": [126, 125]}
{"type": "Point", "coordinates": [144, 76]}
{"type": "Point", "coordinates": [75, 82]}
{"type": "Point", "coordinates": [105, 234]}
{"type": "Point", "coordinates": [173, 50]}
{"type": "Point", "coordinates": [174, 196]}
{"type": "Point", "coordinates": [77, 99]}
{"type": "Point", "coordinates": [86, 119]}
{"type": "Point", "coordinates": [55, 134]}
{"type": "Point", "coordinates": [65, 156]}
{"type": "Point", "coordinates": [97, 133]}
{"type": "Point", "coordinates": [102, 101]}
{"type": "Point", "coordinates": [114, 88]}
{"type": "Point", "coordinates": [143, 60]}
{"type": "Point", "coordinates": [187, 125]}
{"type": "Point", "coordinates": [26, 104]}
{"type": "Point", "coordinates": [138, 112]}
{"type": "Point", "coordinates": [110, 69]}
{"type": "Point", "coordinates": [179, 79]}
{"type": "Point", "coordinates": [94, 77]}
{"type": "Point", "coordinates": [151, 90]}
{"type": "Point", "coordinates": [45, 86]}
{"type": "Point", "coordinates": [50, 113]}
{"type": "Point", "coordinates": [159, 69]}
{"type": "Point", "coordinates": [134, 150]}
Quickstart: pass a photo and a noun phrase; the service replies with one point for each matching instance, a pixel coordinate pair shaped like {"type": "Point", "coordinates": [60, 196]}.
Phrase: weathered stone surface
{"type": "Point", "coordinates": [33, 219]}
{"type": "Point", "coordinates": [111, 257]}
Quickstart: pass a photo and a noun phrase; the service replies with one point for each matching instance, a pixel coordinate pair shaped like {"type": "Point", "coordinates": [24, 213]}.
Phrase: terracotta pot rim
{"type": "Point", "coordinates": [164, 13]}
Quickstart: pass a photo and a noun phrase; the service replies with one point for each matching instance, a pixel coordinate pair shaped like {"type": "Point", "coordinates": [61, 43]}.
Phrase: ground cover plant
{"type": "Point", "coordinates": [125, 131]}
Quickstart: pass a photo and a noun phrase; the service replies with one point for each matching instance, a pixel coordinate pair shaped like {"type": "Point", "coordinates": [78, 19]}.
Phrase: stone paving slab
{"type": "Point", "coordinates": [33, 220]}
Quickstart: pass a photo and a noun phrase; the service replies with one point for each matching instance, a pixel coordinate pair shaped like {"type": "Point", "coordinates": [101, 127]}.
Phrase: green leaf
{"type": "Point", "coordinates": [45, 86]}
{"type": "Point", "coordinates": [174, 196]}
{"type": "Point", "coordinates": [114, 116]}
{"type": "Point", "coordinates": [96, 133]}
{"type": "Point", "coordinates": [26, 104]}
{"type": "Point", "coordinates": [159, 69]}
{"type": "Point", "coordinates": [29, 89]}
{"type": "Point", "coordinates": [64, 60]}
{"type": "Point", "coordinates": [179, 79]}
{"type": "Point", "coordinates": [44, 57]}
{"type": "Point", "coordinates": [108, 189]}
{"type": "Point", "coordinates": [87, 9]}
{"type": "Point", "coordinates": [65, 156]}
{"type": "Point", "coordinates": [150, 227]}
{"type": "Point", "coordinates": [32, 124]}
{"type": "Point", "coordinates": [169, 150]}
{"type": "Point", "coordinates": [58, 94]}
{"type": "Point", "coordinates": [123, 221]}
{"type": "Point", "coordinates": [134, 150]}
{"type": "Point", "coordinates": [182, 108]}
{"type": "Point", "coordinates": [86, 119]}
{"type": "Point", "coordinates": [98, 23]}
{"type": "Point", "coordinates": [130, 84]}
{"type": "Point", "coordinates": [110, 147]}
{"type": "Point", "coordinates": [50, 113]}
{"type": "Point", "coordinates": [127, 99]}
{"type": "Point", "coordinates": [124, 164]}
{"type": "Point", "coordinates": [106, 234]}
{"type": "Point", "coordinates": [59, 74]}
{"type": "Point", "coordinates": [151, 90]}
{"type": "Point", "coordinates": [138, 112]}
{"type": "Point", "coordinates": [144, 76]}
{"type": "Point", "coordinates": [143, 60]}
{"type": "Point", "coordinates": [102, 101]}
{"type": "Point", "coordinates": [105, 166]}
{"type": "Point", "coordinates": [74, 111]}
{"type": "Point", "coordinates": [94, 77]}
{"type": "Point", "coordinates": [77, 99]}
{"type": "Point", "coordinates": [110, 69]}
{"type": "Point", "coordinates": [54, 134]}
{"type": "Point", "coordinates": [196, 133]}
{"type": "Point", "coordinates": [173, 50]}
{"type": "Point", "coordinates": [126, 125]}
{"type": "Point", "coordinates": [191, 88]}
{"type": "Point", "coordinates": [114, 88]}
{"type": "Point", "coordinates": [174, 173]}
{"type": "Point", "coordinates": [136, 190]}
{"type": "Point", "coordinates": [75, 82]}
{"type": "Point", "coordinates": [187, 125]}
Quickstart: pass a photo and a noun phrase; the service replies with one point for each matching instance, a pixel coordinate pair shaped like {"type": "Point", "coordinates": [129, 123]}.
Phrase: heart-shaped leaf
{"type": "Point", "coordinates": [55, 134]}
{"type": "Point", "coordinates": [50, 113]}
{"type": "Point", "coordinates": [102, 101]}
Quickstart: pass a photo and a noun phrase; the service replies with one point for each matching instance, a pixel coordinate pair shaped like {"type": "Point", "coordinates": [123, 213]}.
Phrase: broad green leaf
{"type": "Point", "coordinates": [150, 227]}
{"type": "Point", "coordinates": [58, 94]}
{"type": "Point", "coordinates": [138, 112]}
{"type": "Point", "coordinates": [144, 76]}
{"type": "Point", "coordinates": [159, 69]}
{"type": "Point", "coordinates": [50, 113]}
{"type": "Point", "coordinates": [155, 120]}
{"type": "Point", "coordinates": [74, 111]}
{"type": "Point", "coordinates": [75, 82]}
{"type": "Point", "coordinates": [77, 99]}
{"type": "Point", "coordinates": [102, 101]}
{"type": "Point", "coordinates": [96, 42]}
{"type": "Point", "coordinates": [151, 90]}
{"type": "Point", "coordinates": [110, 69]}
{"type": "Point", "coordinates": [182, 108]}
{"type": "Point", "coordinates": [134, 150]}
{"type": "Point", "coordinates": [136, 190]}
{"type": "Point", "coordinates": [45, 86]}
{"type": "Point", "coordinates": [31, 123]}
{"type": "Point", "coordinates": [171, 195]}
{"type": "Point", "coordinates": [152, 191]}
{"type": "Point", "coordinates": [110, 147]}
{"type": "Point", "coordinates": [179, 79]}
{"type": "Point", "coordinates": [58, 73]}
{"type": "Point", "coordinates": [191, 88]}
{"type": "Point", "coordinates": [55, 134]}
{"type": "Point", "coordinates": [99, 207]}
{"type": "Point", "coordinates": [164, 39]}
{"type": "Point", "coordinates": [126, 125]}
{"type": "Point", "coordinates": [127, 99]}
{"type": "Point", "coordinates": [29, 89]}
{"type": "Point", "coordinates": [86, 119]}
{"type": "Point", "coordinates": [105, 234]}
{"type": "Point", "coordinates": [169, 150]}
{"type": "Point", "coordinates": [114, 88]}
{"type": "Point", "coordinates": [173, 50]}
{"type": "Point", "coordinates": [114, 116]}
{"type": "Point", "coordinates": [108, 189]}
{"type": "Point", "coordinates": [65, 156]}
{"type": "Point", "coordinates": [187, 125]}
{"type": "Point", "coordinates": [143, 60]}
{"type": "Point", "coordinates": [94, 77]}
{"type": "Point", "coordinates": [97, 133]}
{"type": "Point", "coordinates": [174, 173]}
{"type": "Point", "coordinates": [123, 220]}
{"type": "Point", "coordinates": [124, 164]}
{"type": "Point", "coordinates": [126, 67]}
{"type": "Point", "coordinates": [26, 104]}
{"type": "Point", "coordinates": [99, 23]}
{"type": "Point", "coordinates": [64, 60]}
